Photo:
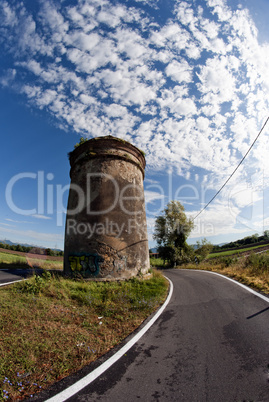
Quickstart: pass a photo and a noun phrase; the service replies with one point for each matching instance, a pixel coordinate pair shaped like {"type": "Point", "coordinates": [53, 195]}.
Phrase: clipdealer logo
{"type": "Point", "coordinates": [108, 228]}
{"type": "Point", "coordinates": [50, 197]}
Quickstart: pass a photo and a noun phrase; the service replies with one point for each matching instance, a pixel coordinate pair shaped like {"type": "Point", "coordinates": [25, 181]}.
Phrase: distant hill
{"type": "Point", "coordinates": [244, 243]}
{"type": "Point", "coordinates": [10, 243]}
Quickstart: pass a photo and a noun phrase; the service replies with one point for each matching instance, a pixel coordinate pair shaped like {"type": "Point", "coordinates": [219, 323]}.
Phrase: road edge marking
{"type": "Point", "coordinates": [234, 281]}
{"type": "Point", "coordinates": [10, 283]}
{"type": "Point", "coordinates": [83, 382]}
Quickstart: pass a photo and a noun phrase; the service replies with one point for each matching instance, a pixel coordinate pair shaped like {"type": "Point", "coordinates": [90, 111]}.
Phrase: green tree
{"type": "Point", "coordinates": [172, 229]}
{"type": "Point", "coordinates": [203, 248]}
{"type": "Point", "coordinates": [266, 234]}
{"type": "Point", "coordinates": [49, 252]}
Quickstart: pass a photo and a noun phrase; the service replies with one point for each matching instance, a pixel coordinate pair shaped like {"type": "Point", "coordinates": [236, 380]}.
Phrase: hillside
{"type": "Point", "coordinates": [246, 242]}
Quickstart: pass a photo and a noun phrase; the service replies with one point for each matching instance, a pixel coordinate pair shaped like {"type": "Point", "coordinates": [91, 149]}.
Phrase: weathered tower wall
{"type": "Point", "coordinates": [106, 230]}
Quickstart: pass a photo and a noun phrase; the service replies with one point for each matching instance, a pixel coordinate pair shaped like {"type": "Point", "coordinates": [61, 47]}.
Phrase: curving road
{"type": "Point", "coordinates": [210, 344]}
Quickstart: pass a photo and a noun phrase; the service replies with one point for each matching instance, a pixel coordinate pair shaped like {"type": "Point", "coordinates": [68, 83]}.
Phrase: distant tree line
{"type": "Point", "coordinates": [246, 241]}
{"type": "Point", "coordinates": [32, 250]}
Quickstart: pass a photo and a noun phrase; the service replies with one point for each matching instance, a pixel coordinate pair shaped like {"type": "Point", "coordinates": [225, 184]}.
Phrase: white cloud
{"type": "Point", "coordinates": [9, 15]}
{"type": "Point", "coordinates": [7, 224]}
{"type": "Point", "coordinates": [38, 216]}
{"type": "Point", "coordinates": [32, 236]}
{"type": "Point", "coordinates": [111, 18]}
{"type": "Point", "coordinates": [54, 19]}
{"type": "Point", "coordinates": [115, 110]}
{"type": "Point", "coordinates": [84, 42]}
{"type": "Point", "coordinates": [179, 71]}
{"type": "Point", "coordinates": [33, 66]}
{"type": "Point", "coordinates": [151, 196]}
{"type": "Point", "coordinates": [16, 221]}
{"type": "Point", "coordinates": [8, 78]}
{"type": "Point", "coordinates": [216, 78]}
{"type": "Point", "coordinates": [189, 90]}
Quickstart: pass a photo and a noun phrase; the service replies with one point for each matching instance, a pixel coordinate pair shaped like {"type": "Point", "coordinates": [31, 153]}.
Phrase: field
{"type": "Point", "coordinates": [13, 259]}
{"type": "Point", "coordinates": [237, 251]}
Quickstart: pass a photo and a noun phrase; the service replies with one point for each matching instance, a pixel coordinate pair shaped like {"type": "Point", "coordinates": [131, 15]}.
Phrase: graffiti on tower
{"type": "Point", "coordinates": [85, 264]}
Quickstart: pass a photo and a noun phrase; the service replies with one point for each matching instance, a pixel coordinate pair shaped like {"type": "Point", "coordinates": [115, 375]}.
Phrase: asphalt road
{"type": "Point", "coordinates": [16, 274]}
{"type": "Point", "coordinates": [210, 344]}
{"type": "Point", "coordinates": [7, 276]}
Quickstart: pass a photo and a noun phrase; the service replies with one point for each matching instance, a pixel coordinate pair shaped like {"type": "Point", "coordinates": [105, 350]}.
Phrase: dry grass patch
{"type": "Point", "coordinates": [252, 271]}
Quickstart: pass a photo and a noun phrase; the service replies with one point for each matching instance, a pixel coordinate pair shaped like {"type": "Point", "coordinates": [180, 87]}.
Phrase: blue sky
{"type": "Point", "coordinates": [186, 81]}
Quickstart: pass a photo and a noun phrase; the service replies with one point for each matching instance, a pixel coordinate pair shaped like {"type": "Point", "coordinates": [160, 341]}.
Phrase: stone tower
{"type": "Point", "coordinates": [106, 229]}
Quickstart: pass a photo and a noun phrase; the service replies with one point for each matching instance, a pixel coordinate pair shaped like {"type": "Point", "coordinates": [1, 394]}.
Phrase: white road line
{"type": "Point", "coordinates": [83, 382]}
{"type": "Point", "coordinates": [237, 283]}
{"type": "Point", "coordinates": [10, 283]}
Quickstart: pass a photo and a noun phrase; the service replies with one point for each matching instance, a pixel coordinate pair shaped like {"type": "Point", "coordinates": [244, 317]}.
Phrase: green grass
{"type": "Point", "coordinates": [157, 262]}
{"type": "Point", "coordinates": [57, 325]}
{"type": "Point", "coordinates": [233, 252]}
{"type": "Point", "coordinates": [11, 261]}
{"type": "Point", "coordinates": [6, 258]}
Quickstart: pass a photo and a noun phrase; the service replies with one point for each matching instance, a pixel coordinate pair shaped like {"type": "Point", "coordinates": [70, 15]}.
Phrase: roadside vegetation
{"type": "Point", "coordinates": [51, 326]}
{"type": "Point", "coordinates": [252, 270]}
{"type": "Point", "coordinates": [172, 229]}
{"type": "Point", "coordinates": [236, 259]}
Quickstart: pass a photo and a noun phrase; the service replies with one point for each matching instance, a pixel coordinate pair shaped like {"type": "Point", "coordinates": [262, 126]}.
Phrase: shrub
{"type": "Point", "coordinates": [35, 284]}
{"type": "Point", "coordinates": [258, 263]}
{"type": "Point", "coordinates": [228, 261]}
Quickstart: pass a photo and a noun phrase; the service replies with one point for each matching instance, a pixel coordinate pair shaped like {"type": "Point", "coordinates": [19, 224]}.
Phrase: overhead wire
{"type": "Point", "coordinates": [237, 167]}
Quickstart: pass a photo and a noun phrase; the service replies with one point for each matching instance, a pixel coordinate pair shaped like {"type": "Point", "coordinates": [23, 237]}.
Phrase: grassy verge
{"type": "Point", "coordinates": [11, 261]}
{"type": "Point", "coordinates": [51, 326]}
{"type": "Point", "coordinates": [252, 271]}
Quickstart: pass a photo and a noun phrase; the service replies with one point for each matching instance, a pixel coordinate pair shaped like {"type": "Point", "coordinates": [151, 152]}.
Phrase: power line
{"type": "Point", "coordinates": [240, 163]}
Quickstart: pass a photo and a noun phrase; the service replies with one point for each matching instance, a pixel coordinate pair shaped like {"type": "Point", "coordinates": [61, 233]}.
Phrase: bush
{"type": "Point", "coordinates": [35, 284]}
{"type": "Point", "coordinates": [258, 263]}
{"type": "Point", "coordinates": [227, 261]}
{"type": "Point", "coordinates": [157, 262]}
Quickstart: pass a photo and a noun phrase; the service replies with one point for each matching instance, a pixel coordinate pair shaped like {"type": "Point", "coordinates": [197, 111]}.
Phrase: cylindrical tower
{"type": "Point", "coordinates": [106, 229]}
